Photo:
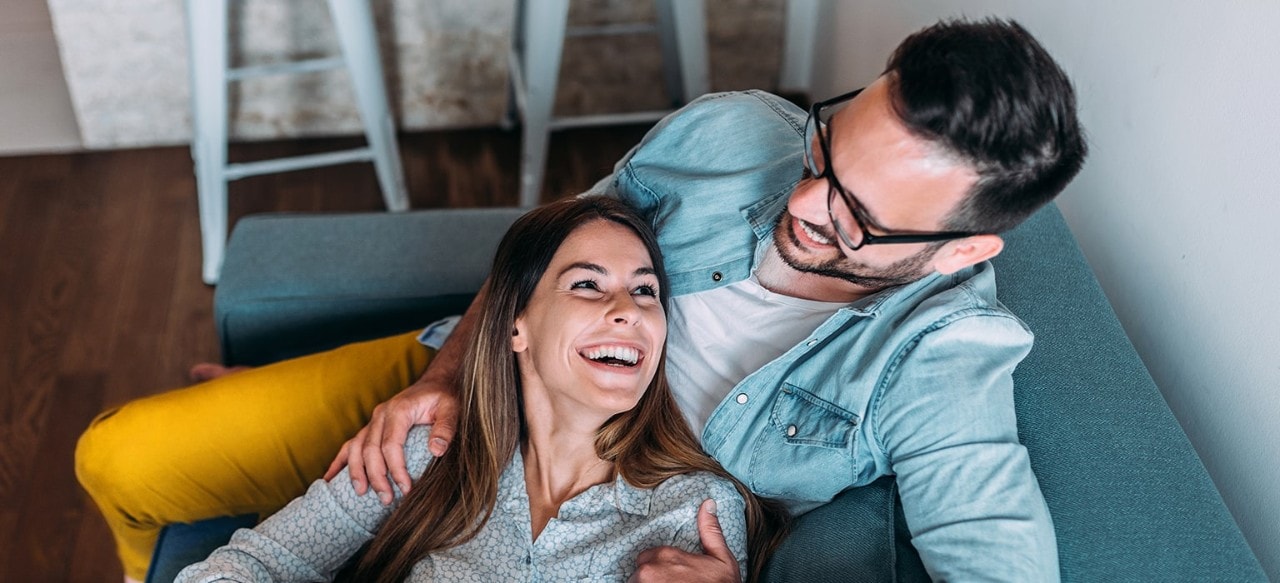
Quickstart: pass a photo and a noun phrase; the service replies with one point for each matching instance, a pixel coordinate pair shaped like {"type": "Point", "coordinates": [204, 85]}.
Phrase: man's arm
{"type": "Point", "coordinates": [945, 421]}
{"type": "Point", "coordinates": [433, 399]}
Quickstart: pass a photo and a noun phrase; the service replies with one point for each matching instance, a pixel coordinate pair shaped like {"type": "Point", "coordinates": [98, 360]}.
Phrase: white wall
{"type": "Point", "coordinates": [1178, 208]}
{"type": "Point", "coordinates": [35, 108]}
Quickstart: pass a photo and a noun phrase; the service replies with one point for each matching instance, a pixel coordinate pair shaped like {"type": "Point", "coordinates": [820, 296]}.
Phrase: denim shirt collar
{"type": "Point", "coordinates": [886, 299]}
{"type": "Point", "coordinates": [763, 214]}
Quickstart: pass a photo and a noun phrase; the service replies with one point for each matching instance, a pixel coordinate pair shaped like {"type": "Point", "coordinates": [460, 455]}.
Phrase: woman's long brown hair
{"type": "Point", "coordinates": [454, 498]}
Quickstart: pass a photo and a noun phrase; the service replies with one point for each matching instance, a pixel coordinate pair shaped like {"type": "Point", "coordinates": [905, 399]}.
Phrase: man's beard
{"type": "Point", "coordinates": [860, 274]}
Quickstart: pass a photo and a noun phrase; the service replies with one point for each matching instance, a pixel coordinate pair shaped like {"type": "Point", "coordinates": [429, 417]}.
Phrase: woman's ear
{"type": "Point", "coordinates": [962, 253]}
{"type": "Point", "coordinates": [519, 336]}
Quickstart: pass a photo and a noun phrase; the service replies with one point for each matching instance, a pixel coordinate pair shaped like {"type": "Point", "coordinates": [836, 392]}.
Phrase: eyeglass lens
{"type": "Point", "coordinates": [818, 139]}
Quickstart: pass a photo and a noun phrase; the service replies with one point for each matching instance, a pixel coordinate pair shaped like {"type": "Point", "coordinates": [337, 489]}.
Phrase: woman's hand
{"type": "Point", "coordinates": [379, 447]}
{"type": "Point", "coordinates": [672, 564]}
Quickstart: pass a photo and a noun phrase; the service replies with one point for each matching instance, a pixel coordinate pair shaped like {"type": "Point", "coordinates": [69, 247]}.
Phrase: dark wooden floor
{"type": "Point", "coordinates": [101, 299]}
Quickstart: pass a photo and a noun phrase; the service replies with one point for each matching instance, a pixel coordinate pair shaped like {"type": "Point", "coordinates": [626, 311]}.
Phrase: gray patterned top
{"type": "Point", "coordinates": [595, 537]}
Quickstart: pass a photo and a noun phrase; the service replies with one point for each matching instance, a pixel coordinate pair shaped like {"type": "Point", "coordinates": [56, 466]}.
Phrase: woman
{"type": "Point", "coordinates": [570, 458]}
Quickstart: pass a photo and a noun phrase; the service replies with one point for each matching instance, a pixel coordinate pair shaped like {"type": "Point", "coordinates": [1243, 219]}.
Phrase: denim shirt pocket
{"type": "Point", "coordinates": [807, 452]}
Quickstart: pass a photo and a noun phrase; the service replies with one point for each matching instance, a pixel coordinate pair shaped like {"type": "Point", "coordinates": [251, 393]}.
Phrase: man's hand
{"type": "Point", "coordinates": [672, 564]}
{"type": "Point", "coordinates": [379, 447]}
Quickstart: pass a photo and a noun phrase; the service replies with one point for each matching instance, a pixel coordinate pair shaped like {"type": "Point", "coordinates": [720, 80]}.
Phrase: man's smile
{"type": "Point", "coordinates": [807, 235]}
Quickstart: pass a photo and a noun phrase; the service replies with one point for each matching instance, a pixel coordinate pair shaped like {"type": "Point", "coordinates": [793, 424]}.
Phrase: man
{"type": "Point", "coordinates": [834, 317]}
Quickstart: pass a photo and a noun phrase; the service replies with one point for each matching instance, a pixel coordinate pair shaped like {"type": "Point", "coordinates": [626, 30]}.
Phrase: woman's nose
{"type": "Point", "coordinates": [624, 310]}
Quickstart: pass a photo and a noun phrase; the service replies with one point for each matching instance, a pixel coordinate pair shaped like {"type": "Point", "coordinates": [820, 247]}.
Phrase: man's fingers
{"type": "Point", "coordinates": [647, 556]}
{"type": "Point", "coordinates": [673, 564]}
{"type": "Point", "coordinates": [339, 462]}
{"type": "Point", "coordinates": [373, 468]}
{"type": "Point", "coordinates": [355, 463]}
{"type": "Point", "coordinates": [662, 564]}
{"type": "Point", "coordinates": [394, 434]}
{"type": "Point", "coordinates": [442, 431]}
{"type": "Point", "coordinates": [711, 535]}
{"type": "Point", "coordinates": [378, 449]}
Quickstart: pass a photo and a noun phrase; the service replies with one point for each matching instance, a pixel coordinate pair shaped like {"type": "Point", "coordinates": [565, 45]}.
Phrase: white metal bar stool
{"type": "Point", "coordinates": [537, 43]}
{"type": "Point", "coordinates": [207, 29]}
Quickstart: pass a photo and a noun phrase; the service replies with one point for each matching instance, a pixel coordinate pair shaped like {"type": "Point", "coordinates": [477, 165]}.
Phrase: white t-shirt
{"type": "Point", "coordinates": [717, 337]}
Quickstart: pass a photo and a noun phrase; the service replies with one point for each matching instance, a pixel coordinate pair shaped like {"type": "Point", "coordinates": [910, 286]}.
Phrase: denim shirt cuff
{"type": "Point", "coordinates": [434, 335]}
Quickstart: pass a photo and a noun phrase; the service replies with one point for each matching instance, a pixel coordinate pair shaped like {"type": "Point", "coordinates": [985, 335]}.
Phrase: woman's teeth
{"type": "Point", "coordinates": [619, 355]}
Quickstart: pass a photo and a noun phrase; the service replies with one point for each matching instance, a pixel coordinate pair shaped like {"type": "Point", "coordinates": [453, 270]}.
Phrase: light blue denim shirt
{"type": "Point", "coordinates": [914, 381]}
{"type": "Point", "coordinates": [596, 536]}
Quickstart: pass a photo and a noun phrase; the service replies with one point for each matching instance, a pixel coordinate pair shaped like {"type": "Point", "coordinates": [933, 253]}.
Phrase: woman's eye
{"type": "Point", "coordinates": [646, 290]}
{"type": "Point", "coordinates": [585, 284]}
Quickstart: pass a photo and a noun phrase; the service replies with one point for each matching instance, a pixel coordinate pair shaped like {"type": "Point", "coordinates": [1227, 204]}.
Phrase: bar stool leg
{"type": "Point", "coordinates": [544, 30]}
{"type": "Point", "coordinates": [682, 28]}
{"type": "Point", "coordinates": [796, 73]}
{"type": "Point", "coordinates": [207, 34]}
{"type": "Point", "coordinates": [358, 36]}
{"type": "Point", "coordinates": [511, 116]}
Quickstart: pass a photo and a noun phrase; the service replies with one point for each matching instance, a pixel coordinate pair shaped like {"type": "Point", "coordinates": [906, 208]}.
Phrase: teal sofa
{"type": "Point", "coordinates": [1130, 499]}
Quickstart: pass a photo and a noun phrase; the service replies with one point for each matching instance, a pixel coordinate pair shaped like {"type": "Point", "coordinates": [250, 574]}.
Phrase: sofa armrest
{"type": "Point", "coordinates": [293, 284]}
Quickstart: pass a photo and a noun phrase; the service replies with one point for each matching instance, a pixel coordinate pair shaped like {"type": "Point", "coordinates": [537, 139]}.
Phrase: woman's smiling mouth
{"type": "Point", "coordinates": [614, 355]}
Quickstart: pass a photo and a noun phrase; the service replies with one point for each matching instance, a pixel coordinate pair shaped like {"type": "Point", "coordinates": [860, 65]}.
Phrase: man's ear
{"type": "Point", "coordinates": [519, 336]}
{"type": "Point", "coordinates": [962, 253]}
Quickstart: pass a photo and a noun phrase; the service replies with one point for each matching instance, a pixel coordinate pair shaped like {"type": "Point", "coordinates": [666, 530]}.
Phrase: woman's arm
{"type": "Point", "coordinates": [312, 537]}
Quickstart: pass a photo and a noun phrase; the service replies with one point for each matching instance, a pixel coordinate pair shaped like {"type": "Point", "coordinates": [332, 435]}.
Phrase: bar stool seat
{"type": "Point", "coordinates": [210, 74]}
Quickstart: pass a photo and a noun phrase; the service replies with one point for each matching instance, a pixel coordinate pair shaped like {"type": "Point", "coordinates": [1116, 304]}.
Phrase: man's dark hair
{"type": "Point", "coordinates": [989, 94]}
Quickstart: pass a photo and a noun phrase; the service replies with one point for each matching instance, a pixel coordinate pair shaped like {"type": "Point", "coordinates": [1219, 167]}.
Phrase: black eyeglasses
{"type": "Point", "coordinates": [852, 227]}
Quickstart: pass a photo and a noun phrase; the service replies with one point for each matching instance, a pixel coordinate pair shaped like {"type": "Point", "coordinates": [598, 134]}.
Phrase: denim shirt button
{"type": "Point", "coordinates": [717, 276]}
{"type": "Point", "coordinates": [791, 431]}
{"type": "Point", "coordinates": [742, 398]}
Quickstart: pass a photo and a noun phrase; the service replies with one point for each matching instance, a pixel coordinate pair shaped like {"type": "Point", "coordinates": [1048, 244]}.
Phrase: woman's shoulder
{"type": "Point", "coordinates": [699, 486]}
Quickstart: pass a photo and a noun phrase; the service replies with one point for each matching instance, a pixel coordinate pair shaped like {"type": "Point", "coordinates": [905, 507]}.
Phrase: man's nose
{"type": "Point", "coordinates": [809, 200]}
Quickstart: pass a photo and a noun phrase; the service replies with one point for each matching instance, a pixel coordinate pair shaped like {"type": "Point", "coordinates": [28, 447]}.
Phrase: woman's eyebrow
{"type": "Point", "coordinates": [601, 270]}
{"type": "Point", "coordinates": [584, 265]}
